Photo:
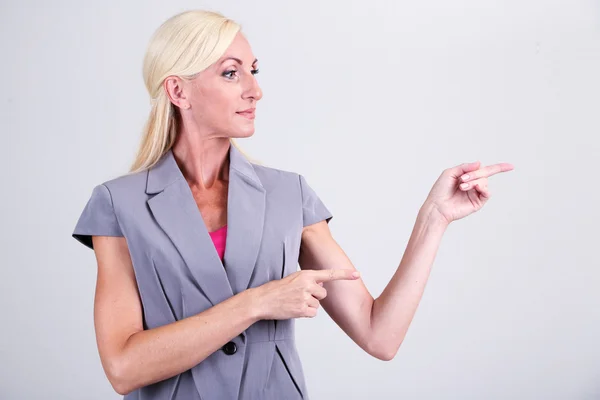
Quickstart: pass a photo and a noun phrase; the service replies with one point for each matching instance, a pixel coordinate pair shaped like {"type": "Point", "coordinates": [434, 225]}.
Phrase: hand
{"type": "Point", "coordinates": [453, 201]}
{"type": "Point", "coordinates": [298, 294]}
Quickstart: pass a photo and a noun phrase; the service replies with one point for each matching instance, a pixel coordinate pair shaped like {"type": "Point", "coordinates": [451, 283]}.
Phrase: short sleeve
{"type": "Point", "coordinates": [98, 218]}
{"type": "Point", "coordinates": [313, 209]}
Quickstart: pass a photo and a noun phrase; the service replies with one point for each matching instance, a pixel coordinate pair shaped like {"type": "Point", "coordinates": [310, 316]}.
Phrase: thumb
{"type": "Point", "coordinates": [464, 168]}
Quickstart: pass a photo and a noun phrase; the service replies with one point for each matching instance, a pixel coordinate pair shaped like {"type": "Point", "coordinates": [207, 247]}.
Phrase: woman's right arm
{"type": "Point", "coordinates": [133, 357]}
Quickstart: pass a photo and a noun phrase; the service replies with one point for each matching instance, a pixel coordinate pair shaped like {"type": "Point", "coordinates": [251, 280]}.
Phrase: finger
{"type": "Point", "coordinates": [471, 184]}
{"type": "Point", "coordinates": [463, 168]}
{"type": "Point", "coordinates": [327, 275]}
{"type": "Point", "coordinates": [310, 312]}
{"type": "Point", "coordinates": [483, 191]}
{"type": "Point", "coordinates": [479, 185]}
{"type": "Point", "coordinates": [486, 172]}
{"type": "Point", "coordinates": [313, 302]}
{"type": "Point", "coordinates": [319, 292]}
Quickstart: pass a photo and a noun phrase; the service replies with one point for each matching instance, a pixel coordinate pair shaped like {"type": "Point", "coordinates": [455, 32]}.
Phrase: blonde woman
{"type": "Point", "coordinates": [197, 247]}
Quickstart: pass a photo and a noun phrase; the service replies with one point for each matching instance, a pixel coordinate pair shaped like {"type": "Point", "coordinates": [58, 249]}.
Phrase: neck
{"type": "Point", "coordinates": [202, 161]}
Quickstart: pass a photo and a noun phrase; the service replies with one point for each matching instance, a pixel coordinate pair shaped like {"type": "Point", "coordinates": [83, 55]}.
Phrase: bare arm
{"type": "Point", "coordinates": [133, 357]}
{"type": "Point", "coordinates": [377, 326]}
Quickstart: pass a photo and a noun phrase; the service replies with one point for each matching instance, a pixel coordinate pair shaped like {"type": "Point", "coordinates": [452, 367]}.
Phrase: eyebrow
{"type": "Point", "coordinates": [238, 60]}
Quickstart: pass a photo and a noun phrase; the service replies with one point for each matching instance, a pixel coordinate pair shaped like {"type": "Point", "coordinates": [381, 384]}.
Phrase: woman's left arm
{"type": "Point", "coordinates": [379, 325]}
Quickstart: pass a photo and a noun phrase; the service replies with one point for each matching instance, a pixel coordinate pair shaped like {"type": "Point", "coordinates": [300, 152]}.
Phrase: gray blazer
{"type": "Point", "coordinates": [179, 272]}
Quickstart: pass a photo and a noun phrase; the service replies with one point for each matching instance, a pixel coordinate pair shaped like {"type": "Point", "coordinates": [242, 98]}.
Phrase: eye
{"type": "Point", "coordinates": [227, 74]}
{"type": "Point", "coordinates": [231, 73]}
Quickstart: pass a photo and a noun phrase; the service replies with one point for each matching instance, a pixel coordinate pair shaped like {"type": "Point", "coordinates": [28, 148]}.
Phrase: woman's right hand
{"type": "Point", "coordinates": [298, 294]}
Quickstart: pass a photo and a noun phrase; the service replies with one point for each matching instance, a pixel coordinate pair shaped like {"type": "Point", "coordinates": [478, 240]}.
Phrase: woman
{"type": "Point", "coordinates": [197, 247]}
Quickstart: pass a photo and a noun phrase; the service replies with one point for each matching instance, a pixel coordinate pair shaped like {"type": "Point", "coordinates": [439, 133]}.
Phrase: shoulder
{"type": "Point", "coordinates": [102, 213]}
{"type": "Point", "coordinates": [276, 179]}
{"type": "Point", "coordinates": [293, 188]}
{"type": "Point", "coordinates": [273, 178]}
{"type": "Point", "coordinates": [125, 186]}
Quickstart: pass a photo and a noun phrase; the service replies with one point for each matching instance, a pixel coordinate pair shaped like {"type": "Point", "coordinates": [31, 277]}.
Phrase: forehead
{"type": "Point", "coordinates": [239, 50]}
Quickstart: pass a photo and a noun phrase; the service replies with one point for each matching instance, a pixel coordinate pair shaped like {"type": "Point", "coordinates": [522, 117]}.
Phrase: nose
{"type": "Point", "coordinates": [252, 90]}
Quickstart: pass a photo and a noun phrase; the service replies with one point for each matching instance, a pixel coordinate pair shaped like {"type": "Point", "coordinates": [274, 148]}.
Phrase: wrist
{"type": "Point", "coordinates": [432, 215]}
{"type": "Point", "coordinates": [252, 302]}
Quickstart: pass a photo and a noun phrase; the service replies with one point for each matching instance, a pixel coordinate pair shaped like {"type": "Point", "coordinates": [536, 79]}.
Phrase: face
{"type": "Point", "coordinates": [221, 100]}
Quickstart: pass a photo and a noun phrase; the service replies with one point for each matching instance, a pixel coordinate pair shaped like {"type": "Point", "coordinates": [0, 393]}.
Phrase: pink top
{"type": "Point", "coordinates": [218, 237]}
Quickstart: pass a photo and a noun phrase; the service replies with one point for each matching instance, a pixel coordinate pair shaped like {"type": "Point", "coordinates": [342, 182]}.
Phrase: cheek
{"type": "Point", "coordinates": [222, 103]}
{"type": "Point", "coordinates": [216, 107]}
{"type": "Point", "coordinates": [224, 110]}
{"type": "Point", "coordinates": [215, 112]}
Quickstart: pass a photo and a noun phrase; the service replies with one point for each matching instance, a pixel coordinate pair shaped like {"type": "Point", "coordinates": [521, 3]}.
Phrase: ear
{"type": "Point", "coordinates": [174, 86]}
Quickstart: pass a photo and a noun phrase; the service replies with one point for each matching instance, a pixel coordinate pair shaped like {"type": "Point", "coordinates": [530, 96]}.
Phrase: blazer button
{"type": "Point", "coordinates": [229, 348]}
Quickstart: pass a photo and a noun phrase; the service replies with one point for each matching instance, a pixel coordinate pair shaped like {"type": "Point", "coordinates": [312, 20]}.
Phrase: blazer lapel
{"type": "Point", "coordinates": [176, 212]}
{"type": "Point", "coordinates": [245, 220]}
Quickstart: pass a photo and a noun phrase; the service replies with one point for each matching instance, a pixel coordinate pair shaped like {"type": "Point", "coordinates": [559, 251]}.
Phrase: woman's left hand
{"type": "Point", "coordinates": [453, 200]}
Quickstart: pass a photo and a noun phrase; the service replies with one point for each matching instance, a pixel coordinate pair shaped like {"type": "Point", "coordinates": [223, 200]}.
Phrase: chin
{"type": "Point", "coordinates": [240, 134]}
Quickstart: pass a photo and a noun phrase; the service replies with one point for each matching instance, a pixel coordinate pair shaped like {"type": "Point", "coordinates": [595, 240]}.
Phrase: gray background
{"type": "Point", "coordinates": [370, 101]}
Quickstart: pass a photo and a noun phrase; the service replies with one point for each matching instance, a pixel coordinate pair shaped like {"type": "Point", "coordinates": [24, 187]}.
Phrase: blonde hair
{"type": "Point", "coordinates": [184, 45]}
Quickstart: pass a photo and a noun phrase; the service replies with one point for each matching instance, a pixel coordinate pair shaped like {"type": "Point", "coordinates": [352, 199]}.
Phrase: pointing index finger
{"type": "Point", "coordinates": [487, 171]}
{"type": "Point", "coordinates": [328, 275]}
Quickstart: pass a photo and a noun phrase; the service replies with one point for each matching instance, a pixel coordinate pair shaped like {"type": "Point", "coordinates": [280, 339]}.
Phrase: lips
{"type": "Point", "coordinates": [249, 113]}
